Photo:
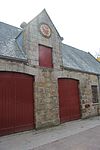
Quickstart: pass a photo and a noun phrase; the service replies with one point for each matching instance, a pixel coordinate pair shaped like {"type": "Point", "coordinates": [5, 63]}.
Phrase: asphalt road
{"type": "Point", "coordinates": [85, 140]}
{"type": "Point", "coordinates": [74, 135]}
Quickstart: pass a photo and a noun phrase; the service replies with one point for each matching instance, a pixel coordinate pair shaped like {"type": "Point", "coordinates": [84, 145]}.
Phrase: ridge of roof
{"type": "Point", "coordinates": [74, 48]}
{"type": "Point", "coordinates": [10, 25]}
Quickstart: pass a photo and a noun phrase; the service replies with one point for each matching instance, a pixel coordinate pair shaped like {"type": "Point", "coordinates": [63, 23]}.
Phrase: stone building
{"type": "Point", "coordinates": [44, 82]}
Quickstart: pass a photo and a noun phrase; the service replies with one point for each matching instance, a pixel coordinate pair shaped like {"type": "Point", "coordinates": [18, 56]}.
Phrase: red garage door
{"type": "Point", "coordinates": [16, 103]}
{"type": "Point", "coordinates": [69, 103]}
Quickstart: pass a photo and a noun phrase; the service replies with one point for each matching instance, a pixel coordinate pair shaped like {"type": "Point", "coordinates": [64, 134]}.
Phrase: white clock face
{"type": "Point", "coordinates": [45, 30]}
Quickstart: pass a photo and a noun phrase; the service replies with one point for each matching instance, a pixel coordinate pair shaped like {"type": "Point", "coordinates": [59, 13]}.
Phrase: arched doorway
{"type": "Point", "coordinates": [69, 102]}
{"type": "Point", "coordinates": [16, 102]}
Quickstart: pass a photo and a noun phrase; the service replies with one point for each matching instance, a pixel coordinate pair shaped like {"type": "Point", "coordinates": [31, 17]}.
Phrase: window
{"type": "Point", "coordinates": [45, 56]}
{"type": "Point", "coordinates": [94, 94]}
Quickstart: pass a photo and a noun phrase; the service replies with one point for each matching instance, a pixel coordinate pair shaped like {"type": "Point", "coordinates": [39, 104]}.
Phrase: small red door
{"type": "Point", "coordinates": [16, 102]}
{"type": "Point", "coordinates": [69, 103]}
{"type": "Point", "coordinates": [45, 56]}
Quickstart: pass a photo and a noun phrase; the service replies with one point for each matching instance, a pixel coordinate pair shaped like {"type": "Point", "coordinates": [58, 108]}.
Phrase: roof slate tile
{"type": "Point", "coordinates": [8, 46]}
{"type": "Point", "coordinates": [79, 60]}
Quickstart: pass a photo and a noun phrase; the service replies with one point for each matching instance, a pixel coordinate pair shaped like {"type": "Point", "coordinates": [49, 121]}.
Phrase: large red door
{"type": "Point", "coordinates": [69, 103]}
{"type": "Point", "coordinates": [16, 103]}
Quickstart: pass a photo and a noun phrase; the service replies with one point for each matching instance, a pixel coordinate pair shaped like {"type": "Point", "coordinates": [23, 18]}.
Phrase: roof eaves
{"type": "Point", "coordinates": [78, 70]}
{"type": "Point", "coordinates": [13, 59]}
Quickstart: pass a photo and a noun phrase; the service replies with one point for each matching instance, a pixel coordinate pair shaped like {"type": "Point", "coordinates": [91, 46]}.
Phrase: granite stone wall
{"type": "Point", "coordinates": [88, 108]}
{"type": "Point", "coordinates": [46, 96]}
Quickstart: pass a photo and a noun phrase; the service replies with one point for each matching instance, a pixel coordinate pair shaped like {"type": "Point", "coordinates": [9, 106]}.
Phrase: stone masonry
{"type": "Point", "coordinates": [46, 98]}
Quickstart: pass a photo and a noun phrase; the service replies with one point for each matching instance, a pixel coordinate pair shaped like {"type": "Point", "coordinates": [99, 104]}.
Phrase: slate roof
{"type": "Point", "coordinates": [9, 46]}
{"type": "Point", "coordinates": [79, 60]}
{"type": "Point", "coordinates": [74, 59]}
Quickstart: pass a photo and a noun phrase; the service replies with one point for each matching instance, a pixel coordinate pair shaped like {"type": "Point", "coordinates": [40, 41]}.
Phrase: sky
{"type": "Point", "coordinates": [77, 21]}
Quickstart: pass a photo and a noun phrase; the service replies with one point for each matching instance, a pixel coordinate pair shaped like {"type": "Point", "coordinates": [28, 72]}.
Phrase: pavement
{"type": "Point", "coordinates": [74, 135]}
{"type": "Point", "coordinates": [86, 140]}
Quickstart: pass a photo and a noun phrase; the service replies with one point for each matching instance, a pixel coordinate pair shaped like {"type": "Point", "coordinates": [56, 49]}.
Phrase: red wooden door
{"type": "Point", "coordinates": [69, 103]}
{"type": "Point", "coordinates": [16, 103]}
{"type": "Point", "coordinates": [45, 56]}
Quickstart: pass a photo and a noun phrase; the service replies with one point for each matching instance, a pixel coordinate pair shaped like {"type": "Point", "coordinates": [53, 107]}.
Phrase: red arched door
{"type": "Point", "coordinates": [69, 102]}
{"type": "Point", "coordinates": [16, 102]}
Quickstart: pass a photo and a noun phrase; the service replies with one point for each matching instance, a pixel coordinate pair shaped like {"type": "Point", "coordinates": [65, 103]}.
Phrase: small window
{"type": "Point", "coordinates": [45, 56]}
{"type": "Point", "coordinates": [94, 94]}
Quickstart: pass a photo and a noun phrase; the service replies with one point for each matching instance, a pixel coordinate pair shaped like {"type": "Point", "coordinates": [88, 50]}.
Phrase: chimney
{"type": "Point", "coordinates": [23, 25]}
